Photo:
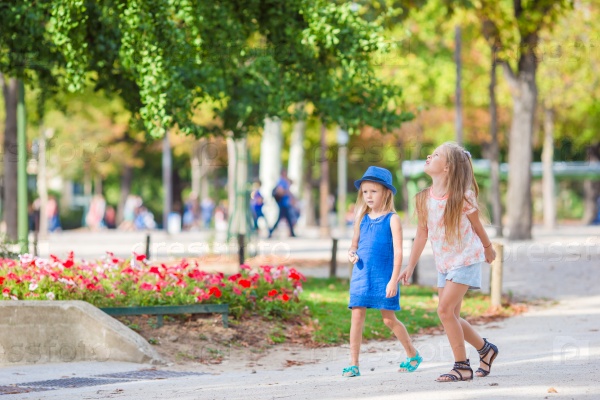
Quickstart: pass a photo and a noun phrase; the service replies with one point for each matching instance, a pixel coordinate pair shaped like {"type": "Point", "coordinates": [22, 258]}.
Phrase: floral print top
{"type": "Point", "coordinates": [448, 256]}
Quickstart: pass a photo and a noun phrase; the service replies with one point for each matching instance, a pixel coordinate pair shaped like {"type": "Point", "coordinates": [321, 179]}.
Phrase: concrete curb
{"type": "Point", "coordinates": [37, 332]}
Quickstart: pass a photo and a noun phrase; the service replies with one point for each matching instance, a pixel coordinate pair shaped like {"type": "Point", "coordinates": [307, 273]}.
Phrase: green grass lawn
{"type": "Point", "coordinates": [327, 300]}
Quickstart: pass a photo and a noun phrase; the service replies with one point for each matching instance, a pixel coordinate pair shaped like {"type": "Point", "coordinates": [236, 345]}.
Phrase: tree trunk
{"type": "Point", "coordinates": [87, 181]}
{"type": "Point", "coordinates": [237, 172]}
{"type": "Point", "coordinates": [98, 184]}
{"type": "Point", "coordinates": [457, 60]}
{"type": "Point", "coordinates": [205, 168]}
{"type": "Point", "coordinates": [270, 165]}
{"type": "Point", "coordinates": [42, 186]}
{"type": "Point", "coordinates": [126, 182]}
{"type": "Point", "coordinates": [524, 94]}
{"type": "Point", "coordinates": [324, 185]}
{"type": "Point", "coordinates": [591, 189]}
{"type": "Point", "coordinates": [10, 211]}
{"type": "Point", "coordinates": [177, 186]}
{"type": "Point", "coordinates": [196, 168]}
{"type": "Point", "coordinates": [295, 163]}
{"type": "Point", "coordinates": [494, 150]}
{"type": "Point", "coordinates": [167, 174]}
{"type": "Point", "coordinates": [549, 186]}
{"type": "Point", "coordinates": [308, 200]}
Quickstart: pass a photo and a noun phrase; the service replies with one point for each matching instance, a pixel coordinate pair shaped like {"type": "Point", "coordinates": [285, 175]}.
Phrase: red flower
{"type": "Point", "coordinates": [294, 276]}
{"type": "Point", "coordinates": [285, 297]}
{"type": "Point", "coordinates": [139, 257]}
{"type": "Point", "coordinates": [1, 280]}
{"type": "Point", "coordinates": [197, 274]}
{"type": "Point", "coordinates": [215, 291]}
{"type": "Point", "coordinates": [234, 278]}
{"type": "Point", "coordinates": [237, 291]}
{"type": "Point", "coordinates": [266, 268]}
{"type": "Point", "coordinates": [146, 286]}
{"type": "Point", "coordinates": [272, 293]}
{"type": "Point", "coordinates": [245, 283]}
{"type": "Point", "coordinates": [245, 266]}
{"type": "Point", "coordinates": [154, 270]}
{"type": "Point", "coordinates": [68, 264]}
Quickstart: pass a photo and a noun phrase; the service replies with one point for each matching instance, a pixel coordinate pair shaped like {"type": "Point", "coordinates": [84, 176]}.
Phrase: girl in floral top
{"type": "Point", "coordinates": [449, 216]}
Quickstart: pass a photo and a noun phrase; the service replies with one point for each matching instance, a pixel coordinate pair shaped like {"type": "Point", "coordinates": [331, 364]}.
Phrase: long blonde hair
{"type": "Point", "coordinates": [461, 178]}
{"type": "Point", "coordinates": [363, 209]}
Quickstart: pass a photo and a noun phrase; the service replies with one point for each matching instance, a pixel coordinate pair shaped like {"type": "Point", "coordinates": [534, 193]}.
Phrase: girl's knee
{"type": "Point", "coordinates": [390, 322]}
{"type": "Point", "coordinates": [445, 312]}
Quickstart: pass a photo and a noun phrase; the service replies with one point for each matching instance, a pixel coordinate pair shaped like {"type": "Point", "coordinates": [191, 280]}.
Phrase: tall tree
{"type": "Point", "coordinates": [10, 206]}
{"type": "Point", "coordinates": [517, 28]}
{"type": "Point", "coordinates": [570, 92]}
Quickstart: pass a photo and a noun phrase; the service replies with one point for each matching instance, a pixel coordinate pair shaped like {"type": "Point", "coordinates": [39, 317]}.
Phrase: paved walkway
{"type": "Point", "coordinates": [552, 351]}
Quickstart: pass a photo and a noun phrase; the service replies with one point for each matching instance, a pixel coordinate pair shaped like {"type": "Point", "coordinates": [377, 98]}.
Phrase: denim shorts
{"type": "Point", "coordinates": [469, 275]}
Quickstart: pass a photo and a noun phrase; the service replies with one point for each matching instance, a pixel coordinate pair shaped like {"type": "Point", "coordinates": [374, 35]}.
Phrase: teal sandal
{"type": "Point", "coordinates": [350, 372]}
{"type": "Point", "coordinates": [408, 366]}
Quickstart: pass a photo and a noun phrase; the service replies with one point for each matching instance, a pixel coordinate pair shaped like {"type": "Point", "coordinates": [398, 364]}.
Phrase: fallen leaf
{"type": "Point", "coordinates": [552, 390]}
{"type": "Point", "coordinates": [291, 363]}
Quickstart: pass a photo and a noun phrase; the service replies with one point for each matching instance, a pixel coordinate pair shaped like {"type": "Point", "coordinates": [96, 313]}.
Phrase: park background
{"type": "Point", "coordinates": [118, 105]}
{"type": "Point", "coordinates": [106, 104]}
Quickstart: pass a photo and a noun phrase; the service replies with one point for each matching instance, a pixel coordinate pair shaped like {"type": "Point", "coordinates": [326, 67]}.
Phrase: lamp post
{"type": "Point", "coordinates": [342, 139]}
{"type": "Point", "coordinates": [22, 211]}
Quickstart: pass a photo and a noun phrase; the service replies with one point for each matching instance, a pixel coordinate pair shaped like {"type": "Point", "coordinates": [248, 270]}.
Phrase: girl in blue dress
{"type": "Point", "coordinates": [376, 252]}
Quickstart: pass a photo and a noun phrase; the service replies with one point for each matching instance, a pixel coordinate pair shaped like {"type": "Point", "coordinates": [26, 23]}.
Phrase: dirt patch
{"type": "Point", "coordinates": [202, 340]}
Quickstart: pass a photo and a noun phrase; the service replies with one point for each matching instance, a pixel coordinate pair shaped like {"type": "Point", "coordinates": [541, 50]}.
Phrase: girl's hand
{"type": "Point", "coordinates": [490, 254]}
{"type": "Point", "coordinates": [353, 257]}
{"type": "Point", "coordinates": [392, 288]}
{"type": "Point", "coordinates": [404, 276]}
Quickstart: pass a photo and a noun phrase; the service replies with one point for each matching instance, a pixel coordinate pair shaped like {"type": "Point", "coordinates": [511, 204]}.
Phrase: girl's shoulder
{"type": "Point", "coordinates": [471, 196]}
{"type": "Point", "coordinates": [395, 220]}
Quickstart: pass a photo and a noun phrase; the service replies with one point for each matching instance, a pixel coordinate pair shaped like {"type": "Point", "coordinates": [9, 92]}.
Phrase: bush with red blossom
{"type": "Point", "coordinates": [271, 291]}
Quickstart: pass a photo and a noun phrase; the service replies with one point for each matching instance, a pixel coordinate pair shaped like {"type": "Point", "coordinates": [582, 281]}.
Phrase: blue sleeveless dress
{"type": "Point", "coordinates": [373, 270]}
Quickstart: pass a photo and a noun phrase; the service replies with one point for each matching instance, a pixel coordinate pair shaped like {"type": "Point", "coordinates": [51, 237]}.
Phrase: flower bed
{"type": "Point", "coordinates": [112, 282]}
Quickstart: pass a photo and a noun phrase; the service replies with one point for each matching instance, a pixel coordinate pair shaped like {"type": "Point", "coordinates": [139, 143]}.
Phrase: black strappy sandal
{"type": "Point", "coordinates": [458, 366]}
{"type": "Point", "coordinates": [483, 352]}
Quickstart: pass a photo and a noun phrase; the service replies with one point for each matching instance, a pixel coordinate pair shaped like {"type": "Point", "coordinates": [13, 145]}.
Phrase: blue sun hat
{"type": "Point", "coordinates": [377, 175]}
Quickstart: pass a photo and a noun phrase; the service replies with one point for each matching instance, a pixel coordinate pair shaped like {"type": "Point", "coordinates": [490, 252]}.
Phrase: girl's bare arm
{"type": "Point", "coordinates": [490, 253]}
{"type": "Point", "coordinates": [415, 253]}
{"type": "Point", "coordinates": [352, 256]}
{"type": "Point", "coordinates": [396, 227]}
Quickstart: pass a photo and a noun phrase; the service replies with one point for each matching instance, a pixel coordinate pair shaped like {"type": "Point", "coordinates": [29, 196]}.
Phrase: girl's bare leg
{"type": "Point", "coordinates": [356, 331]}
{"type": "Point", "coordinates": [450, 298]}
{"type": "Point", "coordinates": [472, 337]}
{"type": "Point", "coordinates": [392, 322]}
